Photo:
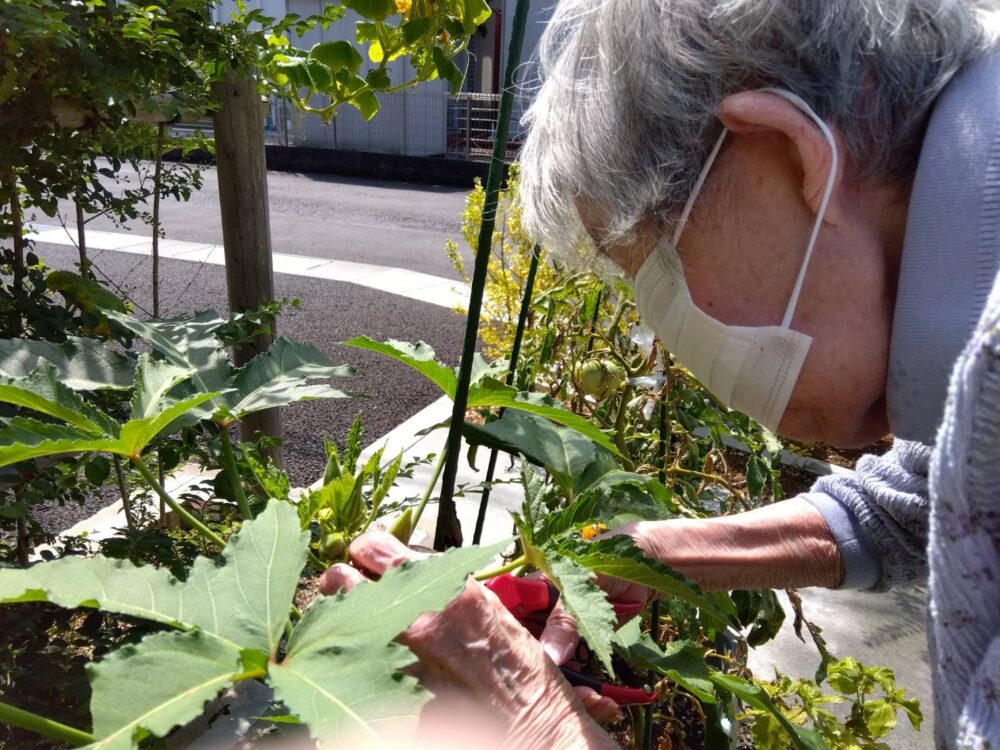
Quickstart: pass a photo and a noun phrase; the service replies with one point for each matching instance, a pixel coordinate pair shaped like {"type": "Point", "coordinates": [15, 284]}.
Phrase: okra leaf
{"type": "Point", "coordinates": [340, 673]}
{"type": "Point", "coordinates": [82, 364]}
{"type": "Point", "coordinates": [245, 597]}
{"type": "Point", "coordinates": [242, 599]}
{"type": "Point", "coordinates": [22, 439]}
{"type": "Point", "coordinates": [188, 343]}
{"type": "Point", "coordinates": [44, 392]}
{"type": "Point", "coordinates": [154, 379]}
{"type": "Point", "coordinates": [155, 685]}
{"type": "Point", "coordinates": [419, 356]}
{"type": "Point", "coordinates": [618, 557]}
{"type": "Point", "coordinates": [584, 600]}
{"type": "Point", "coordinates": [280, 376]}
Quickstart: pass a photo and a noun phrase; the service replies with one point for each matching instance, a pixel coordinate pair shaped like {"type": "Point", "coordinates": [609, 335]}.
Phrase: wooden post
{"type": "Point", "coordinates": [246, 227]}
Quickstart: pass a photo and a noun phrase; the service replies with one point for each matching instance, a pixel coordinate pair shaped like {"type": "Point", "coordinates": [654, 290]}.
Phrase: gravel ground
{"type": "Point", "coordinates": [330, 313]}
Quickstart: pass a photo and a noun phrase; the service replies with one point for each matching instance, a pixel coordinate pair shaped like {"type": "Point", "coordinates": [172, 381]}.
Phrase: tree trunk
{"type": "Point", "coordinates": [246, 229]}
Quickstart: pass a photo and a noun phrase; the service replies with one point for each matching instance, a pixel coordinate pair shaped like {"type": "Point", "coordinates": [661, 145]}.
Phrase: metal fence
{"type": "Point", "coordinates": [418, 123]}
{"type": "Point", "coordinates": [472, 121]}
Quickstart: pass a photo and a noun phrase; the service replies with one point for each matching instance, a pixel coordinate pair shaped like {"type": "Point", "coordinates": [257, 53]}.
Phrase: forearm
{"type": "Point", "coordinates": [784, 545]}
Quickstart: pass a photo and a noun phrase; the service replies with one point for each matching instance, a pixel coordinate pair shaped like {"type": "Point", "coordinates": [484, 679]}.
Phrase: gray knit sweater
{"type": "Point", "coordinates": [931, 506]}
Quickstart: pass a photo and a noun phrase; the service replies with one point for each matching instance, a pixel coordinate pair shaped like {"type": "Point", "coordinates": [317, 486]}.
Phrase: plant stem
{"type": "Point", "coordinates": [123, 489]}
{"type": "Point", "coordinates": [18, 717]}
{"type": "Point", "coordinates": [229, 461]}
{"type": "Point", "coordinates": [512, 565]}
{"type": "Point", "coordinates": [620, 424]}
{"type": "Point", "coordinates": [438, 466]}
{"type": "Point", "coordinates": [316, 561]}
{"type": "Point", "coordinates": [176, 507]}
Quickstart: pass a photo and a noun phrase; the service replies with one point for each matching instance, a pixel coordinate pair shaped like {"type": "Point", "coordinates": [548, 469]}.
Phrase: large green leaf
{"type": "Point", "coordinates": [246, 598]}
{"type": "Point", "coordinates": [585, 601]}
{"type": "Point", "coordinates": [490, 392]}
{"type": "Point", "coordinates": [160, 683]}
{"type": "Point", "coordinates": [419, 356]}
{"type": "Point", "coordinates": [22, 439]}
{"type": "Point", "coordinates": [82, 364]}
{"type": "Point", "coordinates": [136, 434]}
{"type": "Point", "coordinates": [340, 674]}
{"type": "Point", "coordinates": [241, 599]}
{"type": "Point", "coordinates": [279, 376]}
{"type": "Point", "coordinates": [188, 343]}
{"type": "Point", "coordinates": [42, 391]}
{"type": "Point", "coordinates": [111, 585]}
{"type": "Point", "coordinates": [681, 661]}
{"type": "Point", "coordinates": [619, 557]}
{"type": "Point", "coordinates": [485, 391]}
{"type": "Point", "coordinates": [754, 695]}
{"type": "Point", "coordinates": [154, 379]}
{"type": "Point", "coordinates": [574, 461]}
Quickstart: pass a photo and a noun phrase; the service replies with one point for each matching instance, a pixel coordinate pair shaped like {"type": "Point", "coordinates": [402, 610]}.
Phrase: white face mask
{"type": "Point", "coordinates": [751, 369]}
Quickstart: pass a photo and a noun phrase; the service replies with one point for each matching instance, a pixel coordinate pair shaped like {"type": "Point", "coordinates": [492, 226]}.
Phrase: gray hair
{"type": "Point", "coordinates": [623, 116]}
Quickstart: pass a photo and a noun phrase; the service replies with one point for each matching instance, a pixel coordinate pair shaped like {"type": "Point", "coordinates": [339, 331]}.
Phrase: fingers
{"type": "Point", "coordinates": [599, 707]}
{"type": "Point", "coordinates": [560, 638]}
{"type": "Point", "coordinates": [378, 551]}
{"type": "Point", "coordinates": [374, 552]}
{"type": "Point", "coordinates": [339, 578]}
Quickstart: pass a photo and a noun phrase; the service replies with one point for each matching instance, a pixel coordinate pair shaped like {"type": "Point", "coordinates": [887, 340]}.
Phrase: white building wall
{"type": "Point", "coordinates": [411, 122]}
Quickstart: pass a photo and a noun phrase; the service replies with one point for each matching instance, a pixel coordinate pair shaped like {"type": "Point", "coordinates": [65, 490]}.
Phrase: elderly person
{"type": "Point", "coordinates": [806, 197]}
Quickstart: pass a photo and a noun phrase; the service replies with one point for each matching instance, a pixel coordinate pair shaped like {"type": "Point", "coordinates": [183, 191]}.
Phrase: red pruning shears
{"type": "Point", "coordinates": [531, 600]}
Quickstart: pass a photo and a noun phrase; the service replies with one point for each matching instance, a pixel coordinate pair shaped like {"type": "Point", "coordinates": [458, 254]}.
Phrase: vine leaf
{"type": "Point", "coordinates": [681, 661]}
{"type": "Point", "coordinates": [155, 685]}
{"type": "Point", "coordinates": [490, 392]}
{"type": "Point", "coordinates": [618, 557]}
{"type": "Point", "coordinates": [82, 364]}
{"type": "Point", "coordinates": [419, 356]}
{"type": "Point", "coordinates": [340, 672]}
{"type": "Point", "coordinates": [485, 390]}
{"type": "Point", "coordinates": [755, 696]}
{"type": "Point", "coordinates": [573, 460]}
{"type": "Point", "coordinates": [585, 601]}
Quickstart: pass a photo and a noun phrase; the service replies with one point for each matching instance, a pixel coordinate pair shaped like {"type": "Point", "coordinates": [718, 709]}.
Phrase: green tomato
{"type": "Point", "coordinates": [599, 378]}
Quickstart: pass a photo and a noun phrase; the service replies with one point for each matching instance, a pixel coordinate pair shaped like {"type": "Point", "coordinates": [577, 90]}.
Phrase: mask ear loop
{"type": "Point", "coordinates": [793, 301]}
{"type": "Point", "coordinates": [827, 194]}
{"type": "Point", "coordinates": [698, 185]}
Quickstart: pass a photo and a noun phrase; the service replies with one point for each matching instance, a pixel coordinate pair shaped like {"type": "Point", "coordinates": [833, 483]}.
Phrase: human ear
{"type": "Point", "coordinates": [751, 112]}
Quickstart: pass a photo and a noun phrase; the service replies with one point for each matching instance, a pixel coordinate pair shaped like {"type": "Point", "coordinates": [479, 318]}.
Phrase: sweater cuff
{"type": "Point", "coordinates": [862, 564]}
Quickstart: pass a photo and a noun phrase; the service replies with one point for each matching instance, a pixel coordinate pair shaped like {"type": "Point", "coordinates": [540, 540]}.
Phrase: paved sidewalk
{"type": "Point", "coordinates": [415, 285]}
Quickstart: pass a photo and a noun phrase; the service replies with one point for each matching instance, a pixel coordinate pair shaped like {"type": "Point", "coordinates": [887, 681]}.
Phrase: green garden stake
{"type": "Point", "coordinates": [448, 532]}
{"type": "Point", "coordinates": [515, 355]}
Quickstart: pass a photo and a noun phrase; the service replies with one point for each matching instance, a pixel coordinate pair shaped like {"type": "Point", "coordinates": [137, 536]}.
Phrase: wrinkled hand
{"type": "Point", "coordinates": [474, 654]}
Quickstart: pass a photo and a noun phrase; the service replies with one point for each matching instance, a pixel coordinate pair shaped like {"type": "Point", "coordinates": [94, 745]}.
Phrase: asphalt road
{"type": "Point", "coordinates": [388, 224]}
{"type": "Point", "coordinates": [368, 221]}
